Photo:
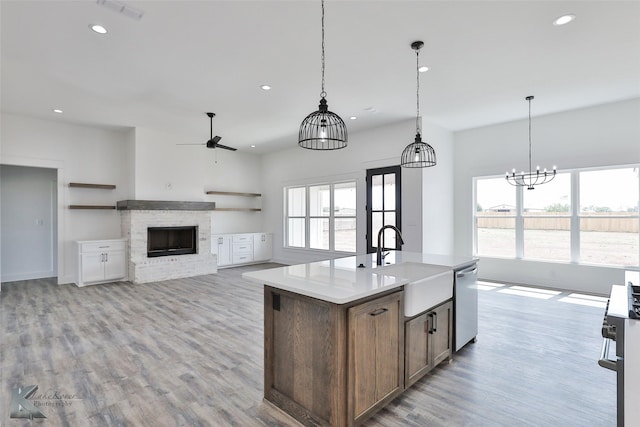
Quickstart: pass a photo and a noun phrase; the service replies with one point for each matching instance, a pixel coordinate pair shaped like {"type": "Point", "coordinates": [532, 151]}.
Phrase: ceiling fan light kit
{"type": "Point", "coordinates": [530, 179]}
{"type": "Point", "coordinates": [322, 129]}
{"type": "Point", "coordinates": [418, 154]}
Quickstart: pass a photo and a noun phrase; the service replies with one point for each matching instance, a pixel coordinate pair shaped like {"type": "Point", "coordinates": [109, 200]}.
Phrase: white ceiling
{"type": "Point", "coordinates": [184, 58]}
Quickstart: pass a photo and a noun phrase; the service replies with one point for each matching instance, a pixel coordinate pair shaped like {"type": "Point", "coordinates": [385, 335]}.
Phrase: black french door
{"type": "Point", "coordinates": [383, 205]}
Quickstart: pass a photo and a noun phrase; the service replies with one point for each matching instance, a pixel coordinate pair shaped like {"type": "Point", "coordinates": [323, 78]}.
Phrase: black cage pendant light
{"type": "Point", "coordinates": [322, 129]}
{"type": "Point", "coordinates": [418, 154]}
{"type": "Point", "coordinates": [530, 179]}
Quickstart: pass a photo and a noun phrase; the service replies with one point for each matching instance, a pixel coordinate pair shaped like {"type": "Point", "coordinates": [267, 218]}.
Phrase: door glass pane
{"type": "Point", "coordinates": [296, 232]}
{"type": "Point", "coordinates": [345, 236]}
{"type": "Point", "coordinates": [296, 201]}
{"type": "Point", "coordinates": [376, 192]}
{"type": "Point", "coordinates": [496, 237]}
{"type": "Point", "coordinates": [389, 234]}
{"type": "Point", "coordinates": [547, 238]}
{"type": "Point", "coordinates": [390, 192]}
{"type": "Point", "coordinates": [554, 198]}
{"type": "Point", "coordinates": [376, 224]}
{"type": "Point", "coordinates": [344, 203]}
{"type": "Point", "coordinates": [319, 233]}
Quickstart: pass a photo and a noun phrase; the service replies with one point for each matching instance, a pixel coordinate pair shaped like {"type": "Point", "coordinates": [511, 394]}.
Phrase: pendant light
{"type": "Point", "coordinates": [322, 129]}
{"type": "Point", "coordinates": [531, 179]}
{"type": "Point", "coordinates": [418, 154]}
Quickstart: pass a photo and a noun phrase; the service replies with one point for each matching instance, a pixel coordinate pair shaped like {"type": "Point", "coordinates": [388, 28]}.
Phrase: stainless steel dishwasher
{"type": "Point", "coordinates": [466, 305]}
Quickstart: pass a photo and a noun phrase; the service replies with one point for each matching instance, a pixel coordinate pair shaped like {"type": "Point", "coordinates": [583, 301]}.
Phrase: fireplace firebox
{"type": "Point", "coordinates": [168, 241]}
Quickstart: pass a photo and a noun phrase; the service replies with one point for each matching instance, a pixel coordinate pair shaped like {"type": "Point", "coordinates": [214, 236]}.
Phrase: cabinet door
{"type": "Point", "coordinates": [224, 250]}
{"type": "Point", "coordinates": [441, 337]}
{"type": "Point", "coordinates": [262, 247]}
{"type": "Point", "coordinates": [417, 348]}
{"type": "Point", "coordinates": [115, 265]}
{"type": "Point", "coordinates": [92, 267]}
{"type": "Point", "coordinates": [374, 351]}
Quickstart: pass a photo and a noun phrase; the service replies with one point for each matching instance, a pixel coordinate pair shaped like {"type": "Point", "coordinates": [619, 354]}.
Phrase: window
{"type": "Point", "coordinates": [547, 220]}
{"type": "Point", "coordinates": [383, 205]}
{"type": "Point", "coordinates": [609, 217]}
{"type": "Point", "coordinates": [584, 216]}
{"type": "Point", "coordinates": [321, 217]}
{"type": "Point", "coordinates": [495, 218]}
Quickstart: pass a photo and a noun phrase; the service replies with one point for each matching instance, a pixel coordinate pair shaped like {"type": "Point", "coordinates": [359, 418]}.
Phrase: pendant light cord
{"type": "Point", "coordinates": [323, 93]}
{"type": "Point", "coordinates": [530, 171]}
{"type": "Point", "coordinates": [417, 91]}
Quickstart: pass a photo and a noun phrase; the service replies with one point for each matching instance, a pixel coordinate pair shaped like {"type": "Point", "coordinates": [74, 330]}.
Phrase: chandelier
{"type": "Point", "coordinates": [418, 154]}
{"type": "Point", "coordinates": [531, 178]}
{"type": "Point", "coordinates": [322, 129]}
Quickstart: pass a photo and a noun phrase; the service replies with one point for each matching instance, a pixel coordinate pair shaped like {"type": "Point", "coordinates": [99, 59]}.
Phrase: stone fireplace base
{"type": "Point", "coordinates": [143, 269]}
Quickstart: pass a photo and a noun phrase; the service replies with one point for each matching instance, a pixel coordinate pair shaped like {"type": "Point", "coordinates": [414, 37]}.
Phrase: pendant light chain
{"type": "Point", "coordinates": [323, 94]}
{"type": "Point", "coordinates": [417, 90]}
{"type": "Point", "coordinates": [529, 98]}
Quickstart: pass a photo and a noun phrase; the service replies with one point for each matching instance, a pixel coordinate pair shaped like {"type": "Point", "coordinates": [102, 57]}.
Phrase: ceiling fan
{"type": "Point", "coordinates": [213, 140]}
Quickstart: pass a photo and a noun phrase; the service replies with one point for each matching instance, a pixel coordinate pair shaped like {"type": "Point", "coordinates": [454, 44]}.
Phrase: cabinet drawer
{"type": "Point", "coordinates": [241, 248]}
{"type": "Point", "coordinates": [241, 258]}
{"type": "Point", "coordinates": [102, 246]}
{"type": "Point", "coordinates": [242, 238]}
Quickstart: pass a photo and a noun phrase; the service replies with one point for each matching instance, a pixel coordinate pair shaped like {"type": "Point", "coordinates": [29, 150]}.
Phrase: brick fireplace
{"type": "Point", "coordinates": [138, 216]}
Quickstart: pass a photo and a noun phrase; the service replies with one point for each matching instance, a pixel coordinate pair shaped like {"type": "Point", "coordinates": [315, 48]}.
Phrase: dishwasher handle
{"type": "Point", "coordinates": [469, 271]}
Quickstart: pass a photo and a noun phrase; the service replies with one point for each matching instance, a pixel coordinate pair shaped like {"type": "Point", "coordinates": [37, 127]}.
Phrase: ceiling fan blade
{"type": "Point", "coordinates": [224, 147]}
{"type": "Point", "coordinates": [190, 144]}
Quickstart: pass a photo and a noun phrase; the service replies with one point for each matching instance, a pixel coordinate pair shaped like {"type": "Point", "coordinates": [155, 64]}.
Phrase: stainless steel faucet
{"type": "Point", "coordinates": [381, 236]}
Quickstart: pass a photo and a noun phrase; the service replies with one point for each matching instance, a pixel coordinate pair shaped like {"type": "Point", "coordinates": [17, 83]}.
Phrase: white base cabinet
{"type": "Point", "coordinates": [101, 261]}
{"type": "Point", "coordinates": [244, 248]}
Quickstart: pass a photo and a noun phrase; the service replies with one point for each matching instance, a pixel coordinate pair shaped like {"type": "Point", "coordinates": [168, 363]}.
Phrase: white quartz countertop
{"type": "Point", "coordinates": [342, 281]}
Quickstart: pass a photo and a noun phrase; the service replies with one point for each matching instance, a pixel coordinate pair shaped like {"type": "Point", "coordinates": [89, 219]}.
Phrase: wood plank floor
{"type": "Point", "coordinates": [189, 352]}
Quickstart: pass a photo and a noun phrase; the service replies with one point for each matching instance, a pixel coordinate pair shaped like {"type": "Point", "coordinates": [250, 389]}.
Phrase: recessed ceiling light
{"type": "Point", "coordinates": [98, 28]}
{"type": "Point", "coordinates": [253, 146]}
{"type": "Point", "coordinates": [423, 69]}
{"type": "Point", "coordinates": [265, 87]}
{"type": "Point", "coordinates": [353, 118]}
{"type": "Point", "coordinates": [564, 19]}
{"type": "Point", "coordinates": [57, 110]}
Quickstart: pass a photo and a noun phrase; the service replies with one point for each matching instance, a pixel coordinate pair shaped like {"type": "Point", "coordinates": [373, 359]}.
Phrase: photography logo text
{"type": "Point", "coordinates": [26, 403]}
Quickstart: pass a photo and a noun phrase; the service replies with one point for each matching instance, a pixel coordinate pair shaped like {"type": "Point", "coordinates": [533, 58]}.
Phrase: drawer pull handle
{"type": "Point", "coordinates": [379, 311]}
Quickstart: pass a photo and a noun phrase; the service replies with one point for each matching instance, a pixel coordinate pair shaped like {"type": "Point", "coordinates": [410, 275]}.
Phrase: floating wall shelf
{"type": "Point", "coordinates": [96, 186]}
{"type": "Point", "coordinates": [92, 207]}
{"type": "Point", "coordinates": [238, 209]}
{"type": "Point", "coordinates": [231, 193]}
{"type": "Point", "coordinates": [237, 194]}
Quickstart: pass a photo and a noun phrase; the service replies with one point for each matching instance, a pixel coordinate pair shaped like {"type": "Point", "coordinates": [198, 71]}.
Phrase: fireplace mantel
{"type": "Point", "coordinates": [164, 205]}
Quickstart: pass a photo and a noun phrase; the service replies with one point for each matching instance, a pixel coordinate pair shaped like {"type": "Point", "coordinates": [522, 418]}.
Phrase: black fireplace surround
{"type": "Point", "coordinates": [167, 241]}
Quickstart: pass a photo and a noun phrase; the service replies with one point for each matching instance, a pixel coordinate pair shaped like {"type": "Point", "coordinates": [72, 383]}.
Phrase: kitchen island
{"type": "Point", "coordinates": [337, 344]}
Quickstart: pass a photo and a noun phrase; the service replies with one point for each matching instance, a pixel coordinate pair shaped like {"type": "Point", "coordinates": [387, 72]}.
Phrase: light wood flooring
{"type": "Point", "coordinates": [189, 352]}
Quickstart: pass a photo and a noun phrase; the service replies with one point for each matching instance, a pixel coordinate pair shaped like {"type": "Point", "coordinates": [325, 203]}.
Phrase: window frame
{"type": "Point", "coordinates": [575, 216]}
{"type": "Point", "coordinates": [308, 217]}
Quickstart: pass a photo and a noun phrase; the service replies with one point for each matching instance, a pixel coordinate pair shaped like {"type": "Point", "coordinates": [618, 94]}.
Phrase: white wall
{"type": "Point", "coordinates": [604, 135]}
{"type": "Point", "coordinates": [374, 148]}
{"type": "Point", "coordinates": [79, 154]}
{"type": "Point", "coordinates": [167, 171]}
